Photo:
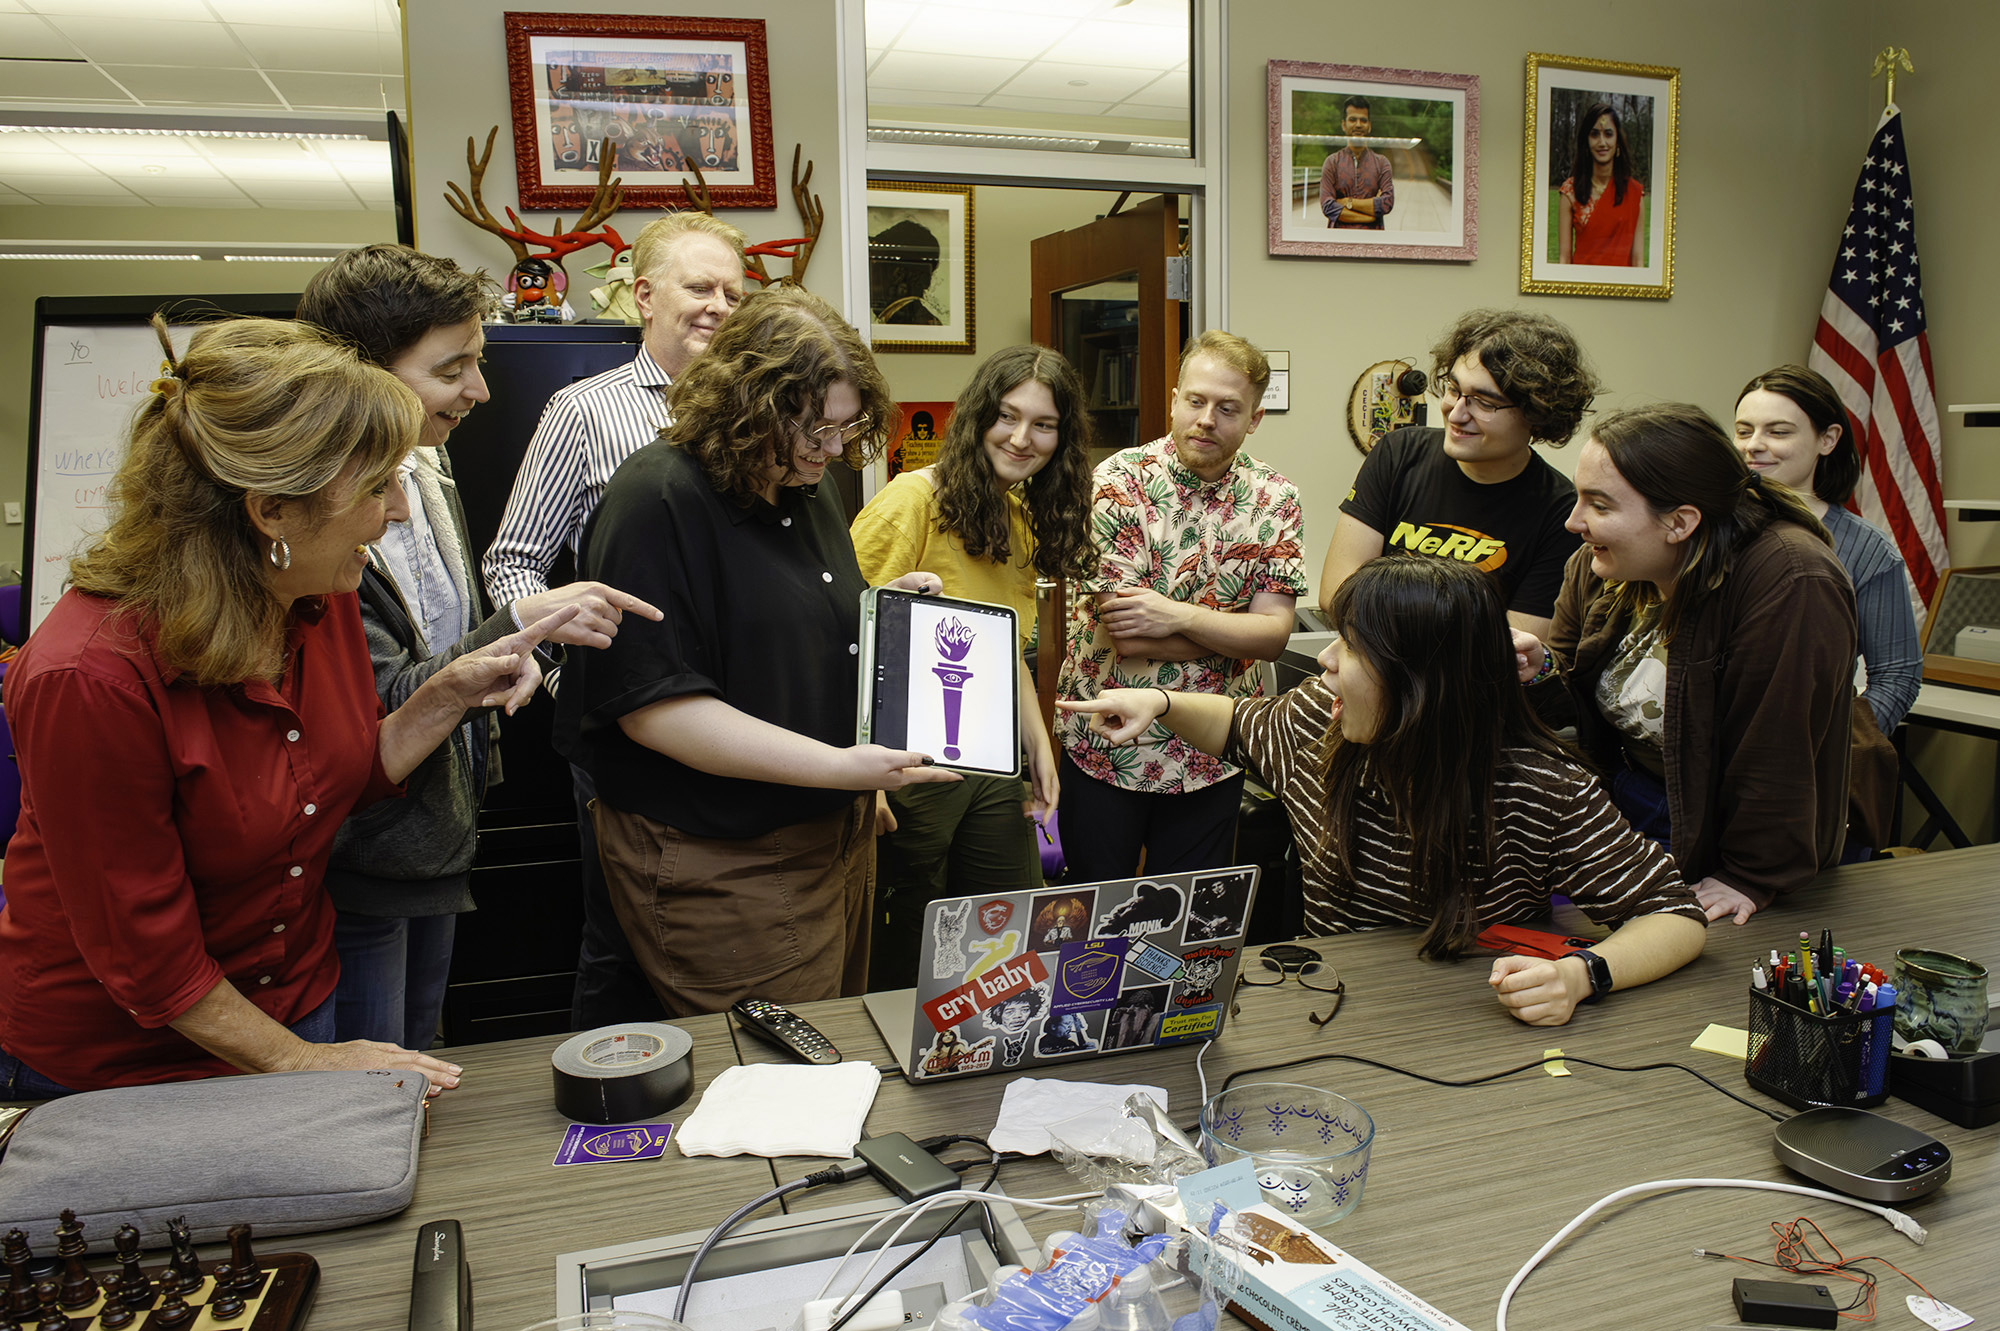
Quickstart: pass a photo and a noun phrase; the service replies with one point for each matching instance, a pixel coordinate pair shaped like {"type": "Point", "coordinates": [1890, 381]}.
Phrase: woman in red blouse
{"type": "Point", "coordinates": [1599, 214]}
{"type": "Point", "coordinates": [197, 715]}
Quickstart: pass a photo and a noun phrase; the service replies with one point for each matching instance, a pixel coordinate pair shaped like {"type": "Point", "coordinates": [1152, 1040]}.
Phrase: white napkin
{"type": "Point", "coordinates": [1032, 1103]}
{"type": "Point", "coordinates": [781, 1109]}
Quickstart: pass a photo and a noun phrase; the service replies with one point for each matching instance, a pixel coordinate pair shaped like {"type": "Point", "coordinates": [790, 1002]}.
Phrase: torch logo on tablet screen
{"type": "Point", "coordinates": [954, 640]}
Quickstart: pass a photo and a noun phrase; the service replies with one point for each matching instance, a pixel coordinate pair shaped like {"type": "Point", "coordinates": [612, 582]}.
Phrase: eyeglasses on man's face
{"type": "Point", "coordinates": [1447, 391]}
{"type": "Point", "coordinates": [826, 436]}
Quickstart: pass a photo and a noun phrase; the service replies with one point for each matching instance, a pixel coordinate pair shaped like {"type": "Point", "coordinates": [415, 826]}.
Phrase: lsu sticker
{"type": "Point", "coordinates": [985, 991]}
{"type": "Point", "coordinates": [1086, 976]}
{"type": "Point", "coordinates": [950, 1055]}
{"type": "Point", "coordinates": [1180, 1027]}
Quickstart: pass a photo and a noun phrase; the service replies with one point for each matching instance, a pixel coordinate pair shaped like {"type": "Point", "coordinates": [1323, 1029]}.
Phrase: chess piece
{"type": "Point", "coordinates": [132, 1290]}
{"type": "Point", "coordinates": [174, 1311]}
{"type": "Point", "coordinates": [183, 1273]}
{"type": "Point", "coordinates": [245, 1276]}
{"type": "Point", "coordinates": [53, 1318]}
{"type": "Point", "coordinates": [227, 1305]}
{"type": "Point", "coordinates": [14, 1251]}
{"type": "Point", "coordinates": [114, 1315]}
{"type": "Point", "coordinates": [78, 1288]}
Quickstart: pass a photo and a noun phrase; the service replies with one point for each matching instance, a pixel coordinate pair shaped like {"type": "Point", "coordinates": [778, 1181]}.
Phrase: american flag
{"type": "Point", "coordinates": [1871, 344]}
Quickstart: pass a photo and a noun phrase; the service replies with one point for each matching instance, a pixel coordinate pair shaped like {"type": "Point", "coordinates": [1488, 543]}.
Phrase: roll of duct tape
{"type": "Point", "coordinates": [623, 1074]}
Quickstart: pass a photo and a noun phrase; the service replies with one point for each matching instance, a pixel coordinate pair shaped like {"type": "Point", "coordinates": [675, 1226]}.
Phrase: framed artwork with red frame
{"type": "Point", "coordinates": [667, 92]}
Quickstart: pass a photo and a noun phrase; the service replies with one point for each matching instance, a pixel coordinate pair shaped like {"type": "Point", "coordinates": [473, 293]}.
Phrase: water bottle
{"type": "Point", "coordinates": [1133, 1305]}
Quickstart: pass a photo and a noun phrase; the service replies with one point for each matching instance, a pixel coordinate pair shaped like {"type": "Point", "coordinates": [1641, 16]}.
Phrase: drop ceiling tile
{"type": "Point", "coordinates": [342, 152]}
{"type": "Point", "coordinates": [1076, 83]}
{"type": "Point", "coordinates": [1138, 45]}
{"type": "Point", "coordinates": [154, 42]}
{"type": "Point", "coordinates": [1075, 109]}
{"type": "Point", "coordinates": [340, 92]}
{"type": "Point", "coordinates": [1006, 36]}
{"type": "Point", "coordinates": [123, 147]}
{"type": "Point", "coordinates": [119, 200]}
{"type": "Point", "coordinates": [243, 170]}
{"type": "Point", "coordinates": [323, 50]}
{"type": "Point", "coordinates": [167, 85]}
{"type": "Point", "coordinates": [193, 11]}
{"type": "Point", "coordinates": [1069, 7]}
{"type": "Point", "coordinates": [81, 182]}
{"type": "Point", "coordinates": [941, 73]}
{"type": "Point", "coordinates": [167, 187]}
{"type": "Point", "coordinates": [353, 15]}
{"type": "Point", "coordinates": [885, 19]}
{"type": "Point", "coordinates": [35, 82]}
{"type": "Point", "coordinates": [31, 145]}
{"type": "Point", "coordinates": [26, 37]}
{"type": "Point", "coordinates": [345, 204]}
{"type": "Point", "coordinates": [889, 101]}
{"type": "Point", "coordinates": [1166, 13]}
{"type": "Point", "coordinates": [211, 201]}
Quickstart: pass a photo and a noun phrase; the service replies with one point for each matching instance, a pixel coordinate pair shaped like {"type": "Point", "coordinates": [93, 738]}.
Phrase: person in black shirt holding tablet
{"type": "Point", "coordinates": [1475, 491]}
{"type": "Point", "coordinates": [735, 816]}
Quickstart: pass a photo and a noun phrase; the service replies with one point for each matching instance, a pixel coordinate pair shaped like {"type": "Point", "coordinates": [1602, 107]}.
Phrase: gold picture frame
{"type": "Point", "coordinates": [1620, 241]}
{"type": "Point", "coordinates": [920, 258]}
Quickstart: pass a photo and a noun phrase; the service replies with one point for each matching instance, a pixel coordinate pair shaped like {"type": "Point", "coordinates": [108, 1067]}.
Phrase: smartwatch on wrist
{"type": "Point", "coordinates": [1599, 971]}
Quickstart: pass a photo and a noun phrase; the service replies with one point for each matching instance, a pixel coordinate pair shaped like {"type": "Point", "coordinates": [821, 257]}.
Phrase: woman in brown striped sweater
{"type": "Point", "coordinates": [1423, 790]}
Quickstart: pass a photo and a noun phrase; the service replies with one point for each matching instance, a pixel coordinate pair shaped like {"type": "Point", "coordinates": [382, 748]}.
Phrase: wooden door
{"type": "Point", "coordinates": [1126, 349]}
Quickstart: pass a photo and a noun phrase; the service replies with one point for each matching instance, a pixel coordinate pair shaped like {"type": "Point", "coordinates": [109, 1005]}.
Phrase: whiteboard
{"type": "Point", "coordinates": [95, 359]}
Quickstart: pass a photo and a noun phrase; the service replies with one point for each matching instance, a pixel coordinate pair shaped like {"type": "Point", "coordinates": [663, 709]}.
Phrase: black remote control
{"type": "Point", "coordinates": [786, 1028]}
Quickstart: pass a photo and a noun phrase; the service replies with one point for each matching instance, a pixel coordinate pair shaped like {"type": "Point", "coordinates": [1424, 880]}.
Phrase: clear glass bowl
{"type": "Point", "coordinates": [1309, 1147]}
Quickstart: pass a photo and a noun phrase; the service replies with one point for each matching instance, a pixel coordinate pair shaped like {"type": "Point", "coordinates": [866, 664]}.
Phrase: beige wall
{"type": "Point", "coordinates": [1005, 221]}
{"type": "Point", "coordinates": [1768, 152]}
{"type": "Point", "coordinates": [25, 281]}
{"type": "Point", "coordinates": [458, 87]}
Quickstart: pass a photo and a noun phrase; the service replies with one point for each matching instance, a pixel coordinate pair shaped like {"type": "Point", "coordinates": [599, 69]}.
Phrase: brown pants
{"type": "Point", "coordinates": [783, 916]}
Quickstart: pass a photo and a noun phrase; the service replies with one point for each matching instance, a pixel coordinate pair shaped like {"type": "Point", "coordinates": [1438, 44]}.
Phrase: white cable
{"type": "Point", "coordinates": [1199, 1074]}
{"type": "Point", "coordinates": [1062, 1203]}
{"type": "Point", "coordinates": [1903, 1223]}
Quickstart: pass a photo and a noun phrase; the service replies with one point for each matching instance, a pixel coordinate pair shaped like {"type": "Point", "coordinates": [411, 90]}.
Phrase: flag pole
{"type": "Point", "coordinates": [1885, 62]}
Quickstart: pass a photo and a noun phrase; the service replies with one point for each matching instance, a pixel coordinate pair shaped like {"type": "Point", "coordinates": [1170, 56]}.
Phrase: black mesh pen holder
{"type": "Point", "coordinates": [1811, 1061]}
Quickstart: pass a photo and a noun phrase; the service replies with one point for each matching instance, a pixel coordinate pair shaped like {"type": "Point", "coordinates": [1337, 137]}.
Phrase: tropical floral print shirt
{"type": "Point", "coordinates": [1160, 526]}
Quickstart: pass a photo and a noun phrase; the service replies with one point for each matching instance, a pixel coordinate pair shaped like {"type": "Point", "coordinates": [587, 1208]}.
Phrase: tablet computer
{"type": "Point", "coordinates": [941, 676]}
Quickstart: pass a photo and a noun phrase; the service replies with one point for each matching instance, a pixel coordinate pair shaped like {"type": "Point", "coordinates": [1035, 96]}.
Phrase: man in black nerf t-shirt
{"type": "Point", "coordinates": [1476, 491]}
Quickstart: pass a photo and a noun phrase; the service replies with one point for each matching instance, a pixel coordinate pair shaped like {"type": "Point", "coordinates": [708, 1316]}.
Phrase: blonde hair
{"type": "Point", "coordinates": [257, 407]}
{"type": "Point", "coordinates": [1237, 354]}
{"type": "Point", "coordinates": [656, 239]}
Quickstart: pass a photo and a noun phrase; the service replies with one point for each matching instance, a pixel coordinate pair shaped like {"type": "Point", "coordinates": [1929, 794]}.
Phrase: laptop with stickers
{"type": "Point", "coordinates": [1019, 980]}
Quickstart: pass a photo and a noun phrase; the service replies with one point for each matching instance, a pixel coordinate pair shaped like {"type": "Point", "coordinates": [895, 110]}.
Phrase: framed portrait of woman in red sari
{"type": "Point", "coordinates": [1597, 182]}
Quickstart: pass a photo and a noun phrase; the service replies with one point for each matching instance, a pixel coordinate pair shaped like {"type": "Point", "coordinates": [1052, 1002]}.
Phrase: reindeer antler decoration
{"type": "Point", "coordinates": [798, 249]}
{"type": "Point", "coordinates": [529, 293]}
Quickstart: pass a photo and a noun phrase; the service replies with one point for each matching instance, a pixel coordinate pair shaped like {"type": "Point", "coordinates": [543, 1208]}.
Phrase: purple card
{"type": "Point", "coordinates": [1086, 975]}
{"type": "Point", "coordinates": [583, 1144]}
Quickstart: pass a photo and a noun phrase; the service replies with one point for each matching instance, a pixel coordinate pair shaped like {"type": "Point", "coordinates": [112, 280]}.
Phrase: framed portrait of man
{"type": "Point", "coordinates": [920, 267]}
{"type": "Point", "coordinates": [1598, 173]}
{"type": "Point", "coordinates": [1372, 163]}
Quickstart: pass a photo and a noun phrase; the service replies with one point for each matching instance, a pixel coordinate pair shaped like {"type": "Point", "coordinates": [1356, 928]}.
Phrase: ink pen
{"type": "Point", "coordinates": [1826, 950]}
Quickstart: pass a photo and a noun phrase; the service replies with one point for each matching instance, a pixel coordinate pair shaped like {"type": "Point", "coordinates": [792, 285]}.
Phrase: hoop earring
{"type": "Point", "coordinates": [281, 554]}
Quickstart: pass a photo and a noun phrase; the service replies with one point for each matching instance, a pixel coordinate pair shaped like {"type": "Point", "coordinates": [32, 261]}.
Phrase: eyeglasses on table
{"type": "Point", "coordinates": [1320, 976]}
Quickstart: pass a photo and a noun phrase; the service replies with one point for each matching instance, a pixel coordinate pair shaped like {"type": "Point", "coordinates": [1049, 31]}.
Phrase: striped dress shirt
{"type": "Point", "coordinates": [586, 430]}
{"type": "Point", "coordinates": [1554, 829]}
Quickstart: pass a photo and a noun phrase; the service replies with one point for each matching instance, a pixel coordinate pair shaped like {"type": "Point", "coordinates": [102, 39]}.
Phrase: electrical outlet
{"type": "Point", "coordinates": [13, 514]}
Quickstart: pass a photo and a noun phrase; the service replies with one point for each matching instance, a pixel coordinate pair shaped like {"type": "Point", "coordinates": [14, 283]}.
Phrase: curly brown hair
{"type": "Point", "coordinates": [765, 375]}
{"type": "Point", "coordinates": [255, 407]}
{"type": "Point", "coordinates": [973, 508]}
{"type": "Point", "coordinates": [1533, 359]}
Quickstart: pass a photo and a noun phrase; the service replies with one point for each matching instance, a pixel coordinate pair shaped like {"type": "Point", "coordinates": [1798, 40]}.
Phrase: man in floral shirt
{"type": "Point", "coordinates": [1199, 568]}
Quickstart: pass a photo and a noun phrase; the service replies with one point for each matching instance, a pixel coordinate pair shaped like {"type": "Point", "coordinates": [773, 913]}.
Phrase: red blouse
{"type": "Point", "coordinates": [172, 836]}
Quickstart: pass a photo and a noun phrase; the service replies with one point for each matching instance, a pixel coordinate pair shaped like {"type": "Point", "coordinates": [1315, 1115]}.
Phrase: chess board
{"type": "Point", "coordinates": [281, 1301]}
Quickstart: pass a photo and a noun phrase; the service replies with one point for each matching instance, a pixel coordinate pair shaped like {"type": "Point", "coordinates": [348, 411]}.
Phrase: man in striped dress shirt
{"type": "Point", "coordinates": [689, 278]}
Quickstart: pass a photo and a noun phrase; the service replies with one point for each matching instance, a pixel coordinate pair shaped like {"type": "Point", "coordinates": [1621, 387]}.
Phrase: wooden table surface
{"type": "Point", "coordinates": [1464, 1184]}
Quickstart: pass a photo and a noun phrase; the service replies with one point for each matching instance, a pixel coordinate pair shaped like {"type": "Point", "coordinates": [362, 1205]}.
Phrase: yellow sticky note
{"type": "Point", "coordinates": [1554, 1069]}
{"type": "Point", "coordinates": [1727, 1040]}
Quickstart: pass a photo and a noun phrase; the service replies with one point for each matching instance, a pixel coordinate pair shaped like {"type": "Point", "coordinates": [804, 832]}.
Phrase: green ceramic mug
{"type": "Point", "coordinates": [1940, 997]}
